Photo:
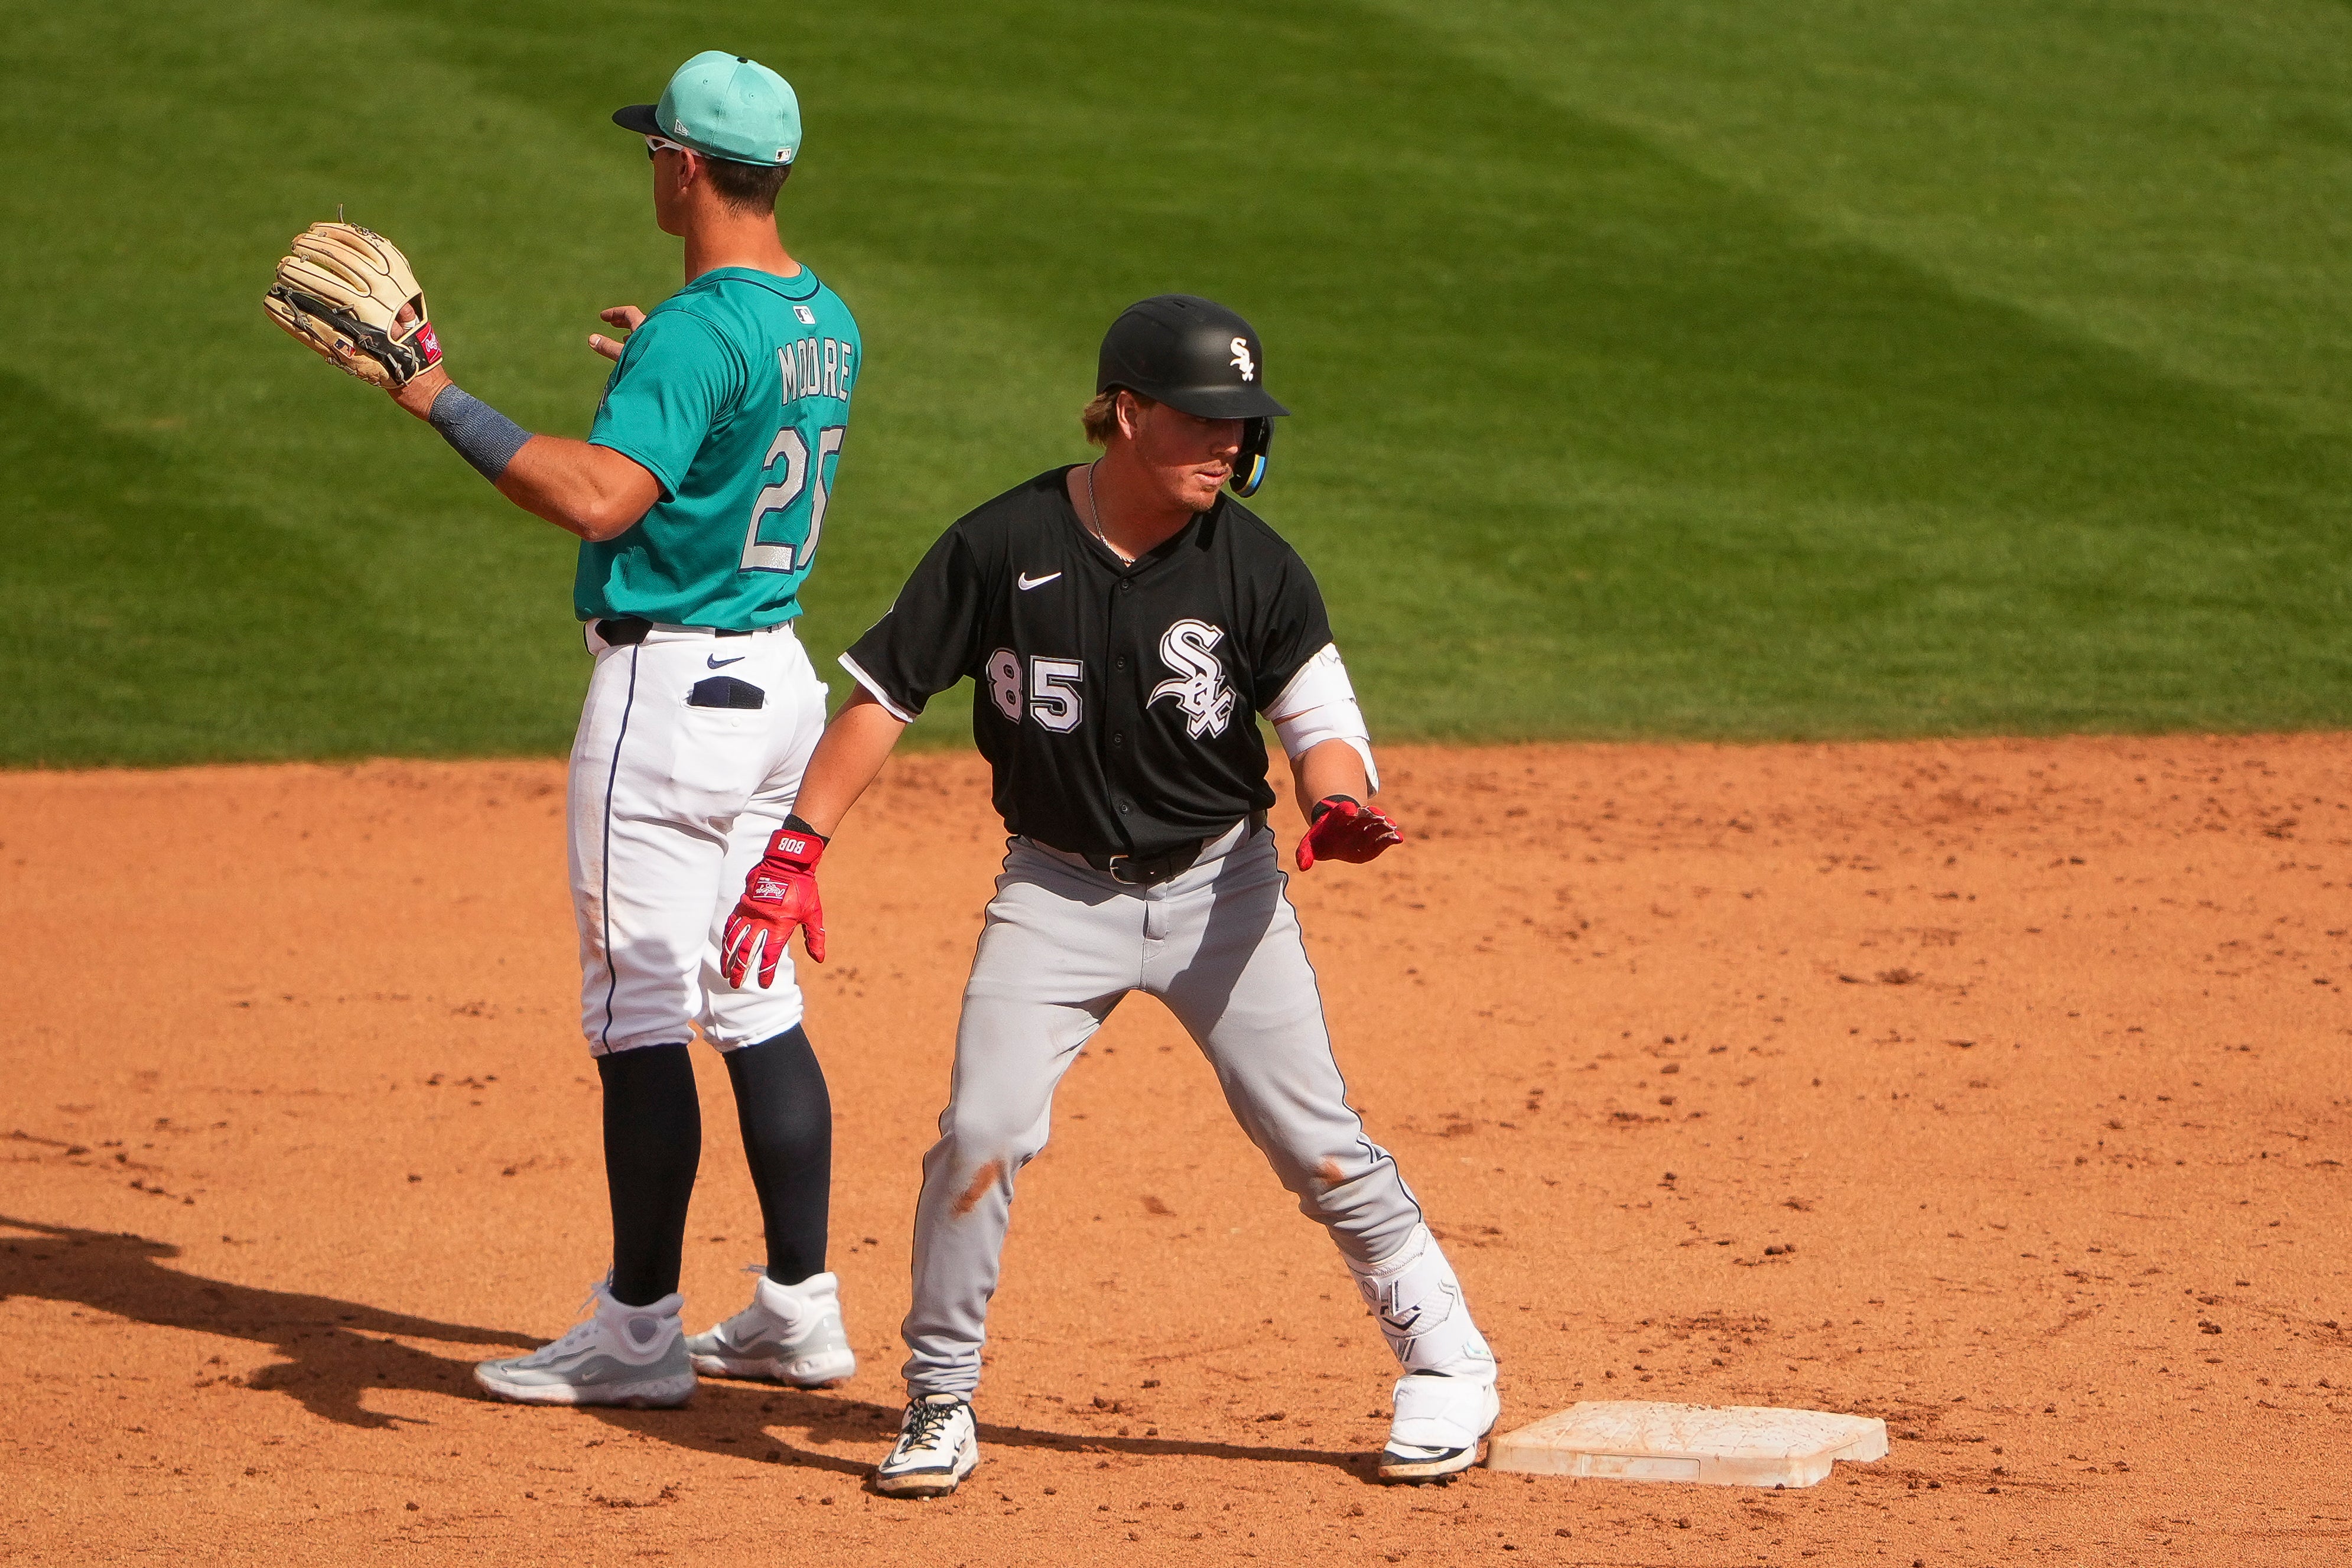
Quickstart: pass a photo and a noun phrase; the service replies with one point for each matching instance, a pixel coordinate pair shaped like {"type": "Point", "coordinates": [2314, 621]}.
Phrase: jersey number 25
{"type": "Point", "coordinates": [800, 474]}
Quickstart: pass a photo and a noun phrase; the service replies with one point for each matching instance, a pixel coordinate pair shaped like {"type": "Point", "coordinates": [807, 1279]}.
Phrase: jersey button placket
{"type": "Point", "coordinates": [1121, 713]}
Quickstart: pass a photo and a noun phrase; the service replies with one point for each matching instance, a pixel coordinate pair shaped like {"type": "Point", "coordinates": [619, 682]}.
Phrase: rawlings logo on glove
{"type": "Point", "coordinates": [1343, 827]}
{"type": "Point", "coordinates": [348, 295]}
{"type": "Point", "coordinates": [779, 895]}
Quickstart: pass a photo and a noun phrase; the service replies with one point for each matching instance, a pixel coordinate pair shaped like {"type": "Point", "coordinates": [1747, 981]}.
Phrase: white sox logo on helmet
{"type": "Point", "coordinates": [1242, 361]}
{"type": "Point", "coordinates": [1199, 687]}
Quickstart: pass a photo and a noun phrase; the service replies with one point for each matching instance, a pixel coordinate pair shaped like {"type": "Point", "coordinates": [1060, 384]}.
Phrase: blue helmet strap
{"type": "Point", "coordinates": [1249, 463]}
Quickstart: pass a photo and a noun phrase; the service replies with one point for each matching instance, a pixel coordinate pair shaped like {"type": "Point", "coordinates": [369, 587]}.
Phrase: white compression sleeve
{"type": "Point", "coordinates": [1319, 705]}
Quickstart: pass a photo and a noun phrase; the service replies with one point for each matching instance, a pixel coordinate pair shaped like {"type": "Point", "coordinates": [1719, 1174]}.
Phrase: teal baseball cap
{"type": "Point", "coordinates": [723, 106]}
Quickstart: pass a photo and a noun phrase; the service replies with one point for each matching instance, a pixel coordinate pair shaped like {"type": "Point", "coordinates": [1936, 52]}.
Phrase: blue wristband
{"type": "Point", "coordinates": [483, 436]}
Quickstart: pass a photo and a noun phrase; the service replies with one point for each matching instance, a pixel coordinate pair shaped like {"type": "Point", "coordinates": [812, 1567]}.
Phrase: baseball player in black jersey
{"type": "Point", "coordinates": [1126, 623]}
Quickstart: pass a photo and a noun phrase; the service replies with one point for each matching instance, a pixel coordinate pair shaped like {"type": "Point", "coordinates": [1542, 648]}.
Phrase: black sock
{"type": "Point", "coordinates": [652, 1144]}
{"type": "Point", "coordinates": [787, 1120]}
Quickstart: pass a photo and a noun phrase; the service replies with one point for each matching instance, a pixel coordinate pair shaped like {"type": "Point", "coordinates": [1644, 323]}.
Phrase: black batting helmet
{"type": "Point", "coordinates": [1196, 356]}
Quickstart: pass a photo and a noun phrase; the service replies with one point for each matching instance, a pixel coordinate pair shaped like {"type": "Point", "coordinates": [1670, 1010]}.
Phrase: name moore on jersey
{"type": "Point", "coordinates": [815, 365]}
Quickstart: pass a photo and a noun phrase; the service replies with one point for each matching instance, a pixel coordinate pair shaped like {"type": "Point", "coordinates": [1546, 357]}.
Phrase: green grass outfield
{"type": "Point", "coordinates": [1663, 368]}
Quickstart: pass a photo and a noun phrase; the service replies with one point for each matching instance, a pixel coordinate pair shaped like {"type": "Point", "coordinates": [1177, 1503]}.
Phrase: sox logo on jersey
{"type": "Point", "coordinates": [1200, 687]}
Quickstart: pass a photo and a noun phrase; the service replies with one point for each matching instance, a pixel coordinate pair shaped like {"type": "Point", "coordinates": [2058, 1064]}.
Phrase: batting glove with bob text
{"type": "Point", "coordinates": [1343, 827]}
{"type": "Point", "coordinates": [779, 894]}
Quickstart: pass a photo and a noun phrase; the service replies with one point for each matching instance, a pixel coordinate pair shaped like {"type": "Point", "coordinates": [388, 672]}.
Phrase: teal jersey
{"type": "Point", "coordinates": [734, 395]}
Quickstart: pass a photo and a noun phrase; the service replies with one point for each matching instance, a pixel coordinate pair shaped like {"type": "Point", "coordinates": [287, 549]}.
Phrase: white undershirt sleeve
{"type": "Point", "coordinates": [1319, 705]}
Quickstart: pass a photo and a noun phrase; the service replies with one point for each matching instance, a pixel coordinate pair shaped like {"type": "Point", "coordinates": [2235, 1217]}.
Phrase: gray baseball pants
{"type": "Point", "coordinates": [1063, 943]}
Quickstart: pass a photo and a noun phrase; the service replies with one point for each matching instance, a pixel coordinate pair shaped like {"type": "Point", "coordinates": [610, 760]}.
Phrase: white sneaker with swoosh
{"type": "Point", "coordinates": [790, 1333]}
{"type": "Point", "coordinates": [632, 1356]}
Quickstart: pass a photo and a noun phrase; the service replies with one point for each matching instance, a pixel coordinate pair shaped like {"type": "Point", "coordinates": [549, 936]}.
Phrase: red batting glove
{"type": "Point", "coordinates": [1343, 827]}
{"type": "Point", "coordinates": [779, 894]}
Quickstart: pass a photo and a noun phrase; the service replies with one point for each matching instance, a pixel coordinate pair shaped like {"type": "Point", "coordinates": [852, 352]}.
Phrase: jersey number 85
{"type": "Point", "coordinates": [800, 474]}
{"type": "Point", "coordinates": [1053, 699]}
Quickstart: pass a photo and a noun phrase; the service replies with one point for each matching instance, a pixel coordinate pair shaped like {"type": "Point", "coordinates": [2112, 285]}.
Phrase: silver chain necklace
{"type": "Point", "coordinates": [1093, 515]}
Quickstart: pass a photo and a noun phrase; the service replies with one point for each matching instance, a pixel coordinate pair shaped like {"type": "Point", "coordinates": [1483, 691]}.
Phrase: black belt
{"type": "Point", "coordinates": [627, 631]}
{"type": "Point", "coordinates": [1151, 871]}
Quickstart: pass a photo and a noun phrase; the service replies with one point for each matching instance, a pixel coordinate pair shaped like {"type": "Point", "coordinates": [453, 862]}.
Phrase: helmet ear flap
{"type": "Point", "coordinates": [1249, 463]}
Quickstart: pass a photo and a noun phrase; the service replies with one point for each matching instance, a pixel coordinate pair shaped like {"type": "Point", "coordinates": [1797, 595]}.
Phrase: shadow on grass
{"type": "Point", "coordinates": [336, 1351]}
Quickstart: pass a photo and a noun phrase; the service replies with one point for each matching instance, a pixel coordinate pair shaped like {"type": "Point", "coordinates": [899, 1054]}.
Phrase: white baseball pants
{"type": "Point", "coordinates": [1063, 943]}
{"type": "Point", "coordinates": [670, 805]}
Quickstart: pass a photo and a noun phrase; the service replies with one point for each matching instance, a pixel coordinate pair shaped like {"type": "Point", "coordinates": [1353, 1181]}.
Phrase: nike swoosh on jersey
{"type": "Point", "coordinates": [1027, 582]}
{"type": "Point", "coordinates": [713, 661]}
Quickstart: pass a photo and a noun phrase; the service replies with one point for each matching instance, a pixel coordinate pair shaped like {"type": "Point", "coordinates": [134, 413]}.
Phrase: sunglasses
{"type": "Point", "coordinates": [657, 145]}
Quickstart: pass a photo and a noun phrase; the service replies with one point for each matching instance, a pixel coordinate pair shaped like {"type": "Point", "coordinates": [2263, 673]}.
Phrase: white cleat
{"type": "Point", "coordinates": [938, 1445]}
{"type": "Point", "coordinates": [1440, 1422]}
{"type": "Point", "coordinates": [1446, 1403]}
{"type": "Point", "coordinates": [634, 1356]}
{"type": "Point", "coordinates": [790, 1334]}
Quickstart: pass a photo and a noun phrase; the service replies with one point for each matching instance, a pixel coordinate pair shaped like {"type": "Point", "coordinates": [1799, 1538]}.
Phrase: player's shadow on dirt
{"type": "Point", "coordinates": [748, 1414]}
{"type": "Point", "coordinates": [841, 1419]}
{"type": "Point", "coordinates": [335, 1352]}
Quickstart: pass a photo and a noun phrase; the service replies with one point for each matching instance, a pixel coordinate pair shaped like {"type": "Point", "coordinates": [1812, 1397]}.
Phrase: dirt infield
{"type": "Point", "coordinates": [1998, 1088]}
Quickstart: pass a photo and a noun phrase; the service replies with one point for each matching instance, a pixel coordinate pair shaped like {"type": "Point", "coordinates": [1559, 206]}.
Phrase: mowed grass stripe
{"type": "Point", "coordinates": [1596, 435]}
{"type": "Point", "coordinates": [2169, 176]}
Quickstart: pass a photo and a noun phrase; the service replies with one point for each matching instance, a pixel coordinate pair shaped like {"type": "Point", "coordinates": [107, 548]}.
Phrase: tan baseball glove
{"type": "Point", "coordinates": [347, 293]}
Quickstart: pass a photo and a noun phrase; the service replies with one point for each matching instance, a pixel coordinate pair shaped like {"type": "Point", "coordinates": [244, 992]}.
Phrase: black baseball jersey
{"type": "Point", "coordinates": [1115, 702]}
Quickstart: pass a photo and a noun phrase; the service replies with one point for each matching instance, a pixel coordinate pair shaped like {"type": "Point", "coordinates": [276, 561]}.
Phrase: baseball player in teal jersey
{"type": "Point", "coordinates": [701, 498]}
